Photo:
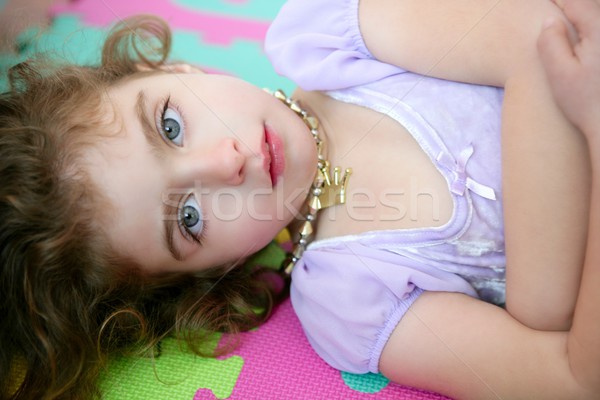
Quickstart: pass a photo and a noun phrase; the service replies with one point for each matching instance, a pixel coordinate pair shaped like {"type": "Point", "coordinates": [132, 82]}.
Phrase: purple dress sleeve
{"type": "Point", "coordinates": [351, 298]}
{"type": "Point", "coordinates": [318, 45]}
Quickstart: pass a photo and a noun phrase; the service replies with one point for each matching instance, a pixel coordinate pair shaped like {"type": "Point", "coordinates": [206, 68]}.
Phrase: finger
{"type": "Point", "coordinates": [555, 50]}
{"type": "Point", "coordinates": [583, 14]}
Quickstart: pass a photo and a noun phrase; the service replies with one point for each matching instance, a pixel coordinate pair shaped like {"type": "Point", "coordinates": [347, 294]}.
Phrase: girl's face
{"type": "Point", "coordinates": [205, 170]}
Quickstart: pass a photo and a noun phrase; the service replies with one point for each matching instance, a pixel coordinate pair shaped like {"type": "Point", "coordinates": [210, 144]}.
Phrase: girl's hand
{"type": "Point", "coordinates": [573, 65]}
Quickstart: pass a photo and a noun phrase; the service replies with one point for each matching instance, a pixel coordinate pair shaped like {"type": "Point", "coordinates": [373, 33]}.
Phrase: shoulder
{"type": "Point", "coordinates": [346, 314]}
{"type": "Point", "coordinates": [349, 299]}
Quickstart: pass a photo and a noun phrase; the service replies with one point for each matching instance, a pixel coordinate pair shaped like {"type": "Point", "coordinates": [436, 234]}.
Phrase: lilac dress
{"type": "Point", "coordinates": [350, 292]}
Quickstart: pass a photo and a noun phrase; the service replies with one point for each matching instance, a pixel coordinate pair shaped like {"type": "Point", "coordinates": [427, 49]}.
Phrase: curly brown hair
{"type": "Point", "coordinates": [67, 301]}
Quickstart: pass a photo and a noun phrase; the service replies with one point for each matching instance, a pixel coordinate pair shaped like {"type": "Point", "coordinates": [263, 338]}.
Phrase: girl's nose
{"type": "Point", "coordinates": [222, 163]}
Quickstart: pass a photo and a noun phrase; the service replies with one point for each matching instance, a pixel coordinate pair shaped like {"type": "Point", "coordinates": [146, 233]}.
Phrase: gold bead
{"type": "Point", "coordinates": [295, 107]}
{"type": "Point", "coordinates": [289, 267]}
{"type": "Point", "coordinates": [312, 122]}
{"type": "Point", "coordinates": [279, 95]}
{"type": "Point", "coordinates": [321, 177]}
{"type": "Point", "coordinates": [315, 203]}
{"type": "Point", "coordinates": [307, 229]}
{"type": "Point", "coordinates": [298, 252]}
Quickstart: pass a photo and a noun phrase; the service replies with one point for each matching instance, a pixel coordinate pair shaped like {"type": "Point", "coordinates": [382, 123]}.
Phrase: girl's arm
{"type": "Point", "coordinates": [546, 172]}
{"type": "Point", "coordinates": [449, 342]}
{"type": "Point", "coordinates": [468, 349]}
{"type": "Point", "coordinates": [474, 41]}
{"type": "Point", "coordinates": [573, 68]}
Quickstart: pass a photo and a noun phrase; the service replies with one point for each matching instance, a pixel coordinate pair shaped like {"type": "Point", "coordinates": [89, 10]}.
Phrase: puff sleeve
{"type": "Point", "coordinates": [350, 299]}
{"type": "Point", "coordinates": [318, 45]}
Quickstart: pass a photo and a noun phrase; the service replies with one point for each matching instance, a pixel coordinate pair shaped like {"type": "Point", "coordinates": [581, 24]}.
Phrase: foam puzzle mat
{"type": "Point", "coordinates": [274, 361]}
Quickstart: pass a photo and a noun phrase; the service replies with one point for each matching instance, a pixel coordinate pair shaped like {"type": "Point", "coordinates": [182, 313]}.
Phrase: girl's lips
{"type": "Point", "coordinates": [266, 157]}
{"type": "Point", "coordinates": [276, 157]}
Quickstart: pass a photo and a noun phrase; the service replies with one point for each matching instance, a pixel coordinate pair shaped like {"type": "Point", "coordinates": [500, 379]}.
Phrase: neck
{"type": "Point", "coordinates": [328, 188]}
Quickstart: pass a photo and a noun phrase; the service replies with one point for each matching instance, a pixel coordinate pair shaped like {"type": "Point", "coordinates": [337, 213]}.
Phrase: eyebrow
{"type": "Point", "coordinates": [157, 146]}
{"type": "Point", "coordinates": [148, 127]}
{"type": "Point", "coordinates": [168, 229]}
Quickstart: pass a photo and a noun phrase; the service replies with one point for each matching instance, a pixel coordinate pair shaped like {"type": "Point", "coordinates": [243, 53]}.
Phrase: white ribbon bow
{"type": "Point", "coordinates": [462, 181]}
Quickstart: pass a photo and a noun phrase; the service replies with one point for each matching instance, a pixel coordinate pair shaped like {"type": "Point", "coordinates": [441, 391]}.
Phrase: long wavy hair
{"type": "Point", "coordinates": [67, 302]}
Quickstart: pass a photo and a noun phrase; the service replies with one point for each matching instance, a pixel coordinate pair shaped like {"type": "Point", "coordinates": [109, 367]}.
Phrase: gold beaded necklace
{"type": "Point", "coordinates": [326, 191]}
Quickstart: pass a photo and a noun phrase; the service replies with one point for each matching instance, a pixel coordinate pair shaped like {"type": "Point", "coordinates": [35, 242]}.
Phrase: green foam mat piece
{"type": "Point", "coordinates": [175, 374]}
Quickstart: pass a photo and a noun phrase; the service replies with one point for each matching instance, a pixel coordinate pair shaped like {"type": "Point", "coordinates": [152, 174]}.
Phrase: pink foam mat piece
{"type": "Point", "coordinates": [280, 364]}
{"type": "Point", "coordinates": [216, 29]}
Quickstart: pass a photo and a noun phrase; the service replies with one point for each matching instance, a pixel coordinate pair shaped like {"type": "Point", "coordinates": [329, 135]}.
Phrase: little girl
{"type": "Point", "coordinates": [133, 192]}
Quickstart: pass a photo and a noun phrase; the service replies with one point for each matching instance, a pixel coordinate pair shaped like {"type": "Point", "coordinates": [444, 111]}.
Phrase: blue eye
{"type": "Point", "coordinates": [190, 218]}
{"type": "Point", "coordinates": [172, 125]}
